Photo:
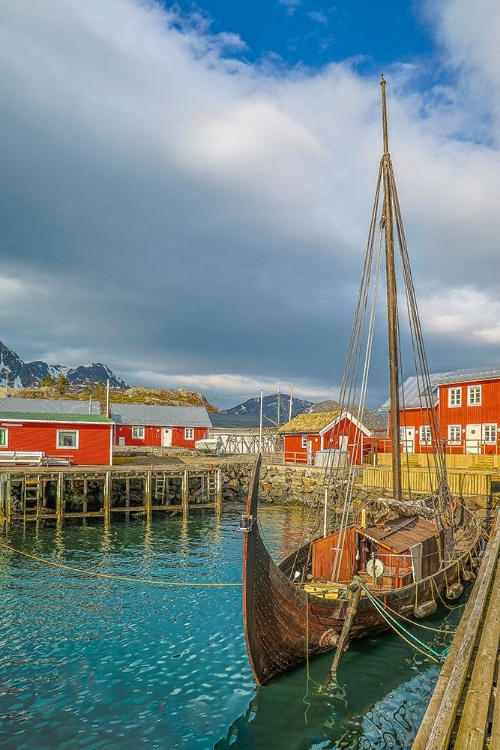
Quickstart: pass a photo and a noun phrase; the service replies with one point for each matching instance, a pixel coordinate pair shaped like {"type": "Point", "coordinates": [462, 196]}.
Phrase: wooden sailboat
{"type": "Point", "coordinates": [386, 557]}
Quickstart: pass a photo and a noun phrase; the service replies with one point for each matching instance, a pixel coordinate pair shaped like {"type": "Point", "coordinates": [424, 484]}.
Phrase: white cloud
{"type": "Point", "coordinates": [466, 314]}
{"type": "Point", "coordinates": [167, 208]}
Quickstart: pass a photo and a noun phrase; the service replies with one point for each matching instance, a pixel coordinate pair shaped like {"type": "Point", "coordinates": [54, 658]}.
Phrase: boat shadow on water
{"type": "Point", "coordinates": [376, 702]}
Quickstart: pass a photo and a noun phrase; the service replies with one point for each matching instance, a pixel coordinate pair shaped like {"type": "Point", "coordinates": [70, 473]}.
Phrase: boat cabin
{"type": "Point", "coordinates": [390, 555]}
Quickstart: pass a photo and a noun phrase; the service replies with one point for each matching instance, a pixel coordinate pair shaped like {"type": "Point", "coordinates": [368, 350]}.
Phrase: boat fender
{"type": "Point", "coordinates": [454, 591]}
{"type": "Point", "coordinates": [425, 609]}
{"type": "Point", "coordinates": [329, 638]}
{"type": "Point", "coordinates": [468, 575]}
{"type": "Point", "coordinates": [475, 562]}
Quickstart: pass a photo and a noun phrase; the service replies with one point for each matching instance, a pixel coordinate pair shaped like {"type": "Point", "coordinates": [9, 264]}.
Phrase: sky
{"type": "Point", "coordinates": [186, 188]}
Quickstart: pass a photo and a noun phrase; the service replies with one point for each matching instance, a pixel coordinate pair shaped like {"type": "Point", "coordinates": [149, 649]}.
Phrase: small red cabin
{"type": "Point", "coordinates": [75, 439]}
{"type": "Point", "coordinates": [159, 426]}
{"type": "Point", "coordinates": [308, 434]}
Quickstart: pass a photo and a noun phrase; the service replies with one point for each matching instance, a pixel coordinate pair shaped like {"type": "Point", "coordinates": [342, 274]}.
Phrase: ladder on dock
{"type": "Point", "coordinates": [212, 487]}
{"type": "Point", "coordinates": [161, 488]}
{"type": "Point", "coordinates": [32, 497]}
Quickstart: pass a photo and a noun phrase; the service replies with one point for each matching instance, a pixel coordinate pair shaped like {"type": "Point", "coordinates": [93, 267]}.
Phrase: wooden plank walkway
{"type": "Point", "coordinates": [463, 713]}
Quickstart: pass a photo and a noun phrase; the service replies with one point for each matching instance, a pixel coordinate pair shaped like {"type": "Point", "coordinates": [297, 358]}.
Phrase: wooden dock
{"type": "Point", "coordinates": [464, 713]}
{"type": "Point", "coordinates": [79, 492]}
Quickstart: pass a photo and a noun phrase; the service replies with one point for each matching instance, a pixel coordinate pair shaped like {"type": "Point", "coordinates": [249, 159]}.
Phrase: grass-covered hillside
{"type": "Point", "coordinates": [136, 395]}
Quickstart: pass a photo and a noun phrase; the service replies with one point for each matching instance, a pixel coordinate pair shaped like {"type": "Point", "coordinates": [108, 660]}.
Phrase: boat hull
{"type": "Point", "coordinates": [285, 626]}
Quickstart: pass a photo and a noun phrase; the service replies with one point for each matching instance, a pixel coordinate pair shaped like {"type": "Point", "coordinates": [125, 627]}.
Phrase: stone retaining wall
{"type": "Point", "coordinates": [283, 484]}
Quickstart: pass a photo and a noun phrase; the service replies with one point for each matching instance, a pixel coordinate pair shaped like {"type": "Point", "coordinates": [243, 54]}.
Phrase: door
{"type": "Point", "coordinates": [166, 437]}
{"type": "Point", "coordinates": [408, 439]}
{"type": "Point", "coordinates": [343, 442]}
{"type": "Point", "coordinates": [473, 438]}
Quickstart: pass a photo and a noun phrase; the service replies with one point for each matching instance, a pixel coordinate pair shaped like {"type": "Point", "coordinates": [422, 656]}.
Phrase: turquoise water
{"type": "Point", "coordinates": [90, 662]}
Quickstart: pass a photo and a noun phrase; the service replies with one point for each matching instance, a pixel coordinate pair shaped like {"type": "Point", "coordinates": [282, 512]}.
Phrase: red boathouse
{"type": "Point", "coordinates": [308, 434]}
{"type": "Point", "coordinates": [75, 439]}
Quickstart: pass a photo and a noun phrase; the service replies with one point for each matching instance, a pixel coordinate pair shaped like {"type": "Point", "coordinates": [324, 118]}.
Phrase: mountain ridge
{"type": "Point", "coordinates": [276, 408]}
{"type": "Point", "coordinates": [15, 373]}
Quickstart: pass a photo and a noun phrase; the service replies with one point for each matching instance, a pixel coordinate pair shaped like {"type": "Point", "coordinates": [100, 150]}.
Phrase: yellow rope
{"type": "Point", "coordinates": [110, 575]}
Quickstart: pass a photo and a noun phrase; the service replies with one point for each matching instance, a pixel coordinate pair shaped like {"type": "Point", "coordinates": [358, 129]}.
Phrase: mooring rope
{"type": "Point", "coordinates": [419, 624]}
{"type": "Point", "coordinates": [445, 604]}
{"type": "Point", "coordinates": [110, 576]}
{"type": "Point", "coordinates": [397, 627]}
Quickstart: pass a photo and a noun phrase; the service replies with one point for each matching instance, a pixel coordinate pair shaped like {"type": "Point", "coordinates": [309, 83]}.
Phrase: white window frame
{"type": "Point", "coordinates": [454, 434]}
{"type": "Point", "coordinates": [474, 395]}
{"type": "Point", "coordinates": [490, 433]}
{"type": "Point", "coordinates": [60, 434]}
{"type": "Point", "coordinates": [138, 432]}
{"type": "Point", "coordinates": [5, 432]}
{"type": "Point", "coordinates": [304, 441]}
{"type": "Point", "coordinates": [188, 433]}
{"type": "Point", "coordinates": [425, 433]}
{"type": "Point", "coordinates": [454, 397]}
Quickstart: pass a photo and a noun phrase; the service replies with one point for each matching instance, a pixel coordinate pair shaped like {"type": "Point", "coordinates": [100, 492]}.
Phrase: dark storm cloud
{"type": "Point", "coordinates": [192, 220]}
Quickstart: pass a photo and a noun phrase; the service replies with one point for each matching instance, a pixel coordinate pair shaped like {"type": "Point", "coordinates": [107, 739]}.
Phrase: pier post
{"type": "Point", "coordinates": [148, 496]}
{"type": "Point", "coordinates": [107, 498]}
{"type": "Point", "coordinates": [8, 499]}
{"type": "Point", "coordinates": [85, 495]}
{"type": "Point", "coordinates": [185, 494]}
{"type": "Point", "coordinates": [2, 499]}
{"type": "Point", "coordinates": [60, 497]}
{"type": "Point", "coordinates": [127, 498]}
{"type": "Point", "coordinates": [218, 498]}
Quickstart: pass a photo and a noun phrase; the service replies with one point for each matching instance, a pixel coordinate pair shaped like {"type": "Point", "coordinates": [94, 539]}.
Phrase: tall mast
{"type": "Point", "coordinates": [392, 312]}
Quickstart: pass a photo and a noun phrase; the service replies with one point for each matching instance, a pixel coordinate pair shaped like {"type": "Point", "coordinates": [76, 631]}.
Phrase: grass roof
{"type": "Point", "coordinates": [14, 416]}
{"type": "Point", "coordinates": [310, 422]}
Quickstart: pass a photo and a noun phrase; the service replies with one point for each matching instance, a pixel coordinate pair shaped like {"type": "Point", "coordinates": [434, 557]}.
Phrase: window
{"type": "Point", "coordinates": [473, 395]}
{"type": "Point", "coordinates": [189, 433]}
{"type": "Point", "coordinates": [138, 433]}
{"type": "Point", "coordinates": [4, 435]}
{"type": "Point", "coordinates": [67, 438]}
{"type": "Point", "coordinates": [454, 397]}
{"type": "Point", "coordinates": [454, 433]}
{"type": "Point", "coordinates": [304, 441]}
{"type": "Point", "coordinates": [489, 433]}
{"type": "Point", "coordinates": [425, 434]}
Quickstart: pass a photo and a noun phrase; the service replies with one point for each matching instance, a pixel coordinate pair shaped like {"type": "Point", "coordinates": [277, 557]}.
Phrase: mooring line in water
{"type": "Point", "coordinates": [110, 575]}
{"type": "Point", "coordinates": [429, 652]}
{"type": "Point", "coordinates": [419, 624]}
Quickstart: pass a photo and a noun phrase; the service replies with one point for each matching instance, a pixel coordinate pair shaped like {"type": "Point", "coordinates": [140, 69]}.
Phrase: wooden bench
{"type": "Point", "coordinates": [33, 458]}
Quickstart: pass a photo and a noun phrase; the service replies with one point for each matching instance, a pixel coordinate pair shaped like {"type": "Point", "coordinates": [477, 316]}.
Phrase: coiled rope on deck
{"type": "Point", "coordinates": [111, 576]}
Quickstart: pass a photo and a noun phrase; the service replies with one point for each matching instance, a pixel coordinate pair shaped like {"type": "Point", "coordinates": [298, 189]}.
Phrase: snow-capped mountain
{"type": "Point", "coordinates": [18, 374]}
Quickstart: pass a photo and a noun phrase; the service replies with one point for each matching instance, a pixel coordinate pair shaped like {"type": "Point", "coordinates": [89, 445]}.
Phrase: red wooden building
{"type": "Point", "coordinates": [467, 405]}
{"type": "Point", "coordinates": [159, 426]}
{"type": "Point", "coordinates": [308, 434]}
{"type": "Point", "coordinates": [75, 439]}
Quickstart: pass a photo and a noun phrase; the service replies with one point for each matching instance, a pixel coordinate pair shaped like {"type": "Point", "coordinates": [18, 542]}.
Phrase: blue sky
{"type": "Point", "coordinates": [305, 32]}
{"type": "Point", "coordinates": [186, 189]}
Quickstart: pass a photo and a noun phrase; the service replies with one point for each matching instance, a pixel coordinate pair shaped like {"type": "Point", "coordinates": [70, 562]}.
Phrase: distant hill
{"type": "Point", "coordinates": [372, 419]}
{"type": "Point", "coordinates": [162, 397]}
{"type": "Point", "coordinates": [270, 407]}
{"type": "Point", "coordinates": [18, 374]}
